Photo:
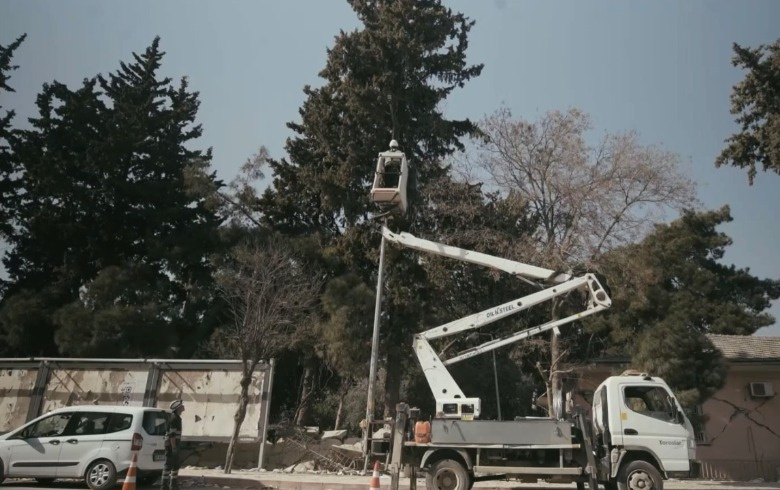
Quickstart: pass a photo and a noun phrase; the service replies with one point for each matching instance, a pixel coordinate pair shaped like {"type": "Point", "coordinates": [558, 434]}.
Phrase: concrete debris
{"type": "Point", "coordinates": [304, 467]}
{"type": "Point", "coordinates": [334, 434]}
{"type": "Point", "coordinates": [383, 432]}
{"type": "Point", "coordinates": [352, 450]}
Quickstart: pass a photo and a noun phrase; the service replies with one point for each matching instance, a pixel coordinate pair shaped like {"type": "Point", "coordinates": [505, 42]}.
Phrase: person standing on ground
{"type": "Point", "coordinates": [170, 476]}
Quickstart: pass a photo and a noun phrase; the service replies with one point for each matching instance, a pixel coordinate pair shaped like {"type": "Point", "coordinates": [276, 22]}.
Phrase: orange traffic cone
{"type": "Point", "coordinates": [374, 478]}
{"type": "Point", "coordinates": [129, 483]}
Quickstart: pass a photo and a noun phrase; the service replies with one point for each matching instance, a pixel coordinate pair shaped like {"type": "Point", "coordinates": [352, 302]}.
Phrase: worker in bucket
{"type": "Point", "coordinates": [170, 475]}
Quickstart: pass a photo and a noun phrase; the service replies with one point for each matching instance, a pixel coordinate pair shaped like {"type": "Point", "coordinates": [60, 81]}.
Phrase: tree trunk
{"type": "Point", "coordinates": [392, 382]}
{"type": "Point", "coordinates": [238, 417]}
{"type": "Point", "coordinates": [302, 414]}
{"type": "Point", "coordinates": [554, 405]}
{"type": "Point", "coordinates": [339, 412]}
{"type": "Point", "coordinates": [554, 386]}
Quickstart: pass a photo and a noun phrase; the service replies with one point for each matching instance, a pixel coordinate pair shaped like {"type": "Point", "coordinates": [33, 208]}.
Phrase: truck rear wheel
{"type": "Point", "coordinates": [639, 475]}
{"type": "Point", "coordinates": [448, 474]}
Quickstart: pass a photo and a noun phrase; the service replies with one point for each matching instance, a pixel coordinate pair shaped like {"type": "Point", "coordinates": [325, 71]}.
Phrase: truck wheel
{"type": "Point", "coordinates": [448, 474]}
{"type": "Point", "coordinates": [639, 475]}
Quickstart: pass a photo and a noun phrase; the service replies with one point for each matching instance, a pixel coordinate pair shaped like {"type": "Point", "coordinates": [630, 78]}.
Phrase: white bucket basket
{"type": "Point", "coordinates": [390, 179]}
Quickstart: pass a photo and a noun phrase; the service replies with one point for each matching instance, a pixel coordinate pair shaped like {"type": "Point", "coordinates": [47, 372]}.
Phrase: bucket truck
{"type": "Point", "coordinates": [638, 435]}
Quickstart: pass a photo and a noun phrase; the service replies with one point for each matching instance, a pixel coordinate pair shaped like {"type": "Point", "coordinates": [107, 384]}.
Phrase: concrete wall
{"type": "Point", "coordinates": [210, 402]}
{"type": "Point", "coordinates": [84, 386]}
{"type": "Point", "coordinates": [210, 389]}
{"type": "Point", "coordinates": [16, 388]}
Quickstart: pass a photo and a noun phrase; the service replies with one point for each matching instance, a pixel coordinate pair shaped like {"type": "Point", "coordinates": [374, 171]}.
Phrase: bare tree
{"type": "Point", "coordinates": [237, 201]}
{"type": "Point", "coordinates": [270, 294]}
{"type": "Point", "coordinates": [584, 199]}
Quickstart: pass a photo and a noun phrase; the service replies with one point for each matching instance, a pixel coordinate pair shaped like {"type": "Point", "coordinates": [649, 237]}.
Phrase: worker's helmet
{"type": "Point", "coordinates": [175, 404]}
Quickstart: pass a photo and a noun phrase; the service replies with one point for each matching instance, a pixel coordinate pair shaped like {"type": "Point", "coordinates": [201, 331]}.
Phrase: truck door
{"type": "Point", "coordinates": [650, 419]}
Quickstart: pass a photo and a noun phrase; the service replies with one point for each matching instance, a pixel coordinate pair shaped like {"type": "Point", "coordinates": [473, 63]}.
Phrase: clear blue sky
{"type": "Point", "coordinates": [662, 68]}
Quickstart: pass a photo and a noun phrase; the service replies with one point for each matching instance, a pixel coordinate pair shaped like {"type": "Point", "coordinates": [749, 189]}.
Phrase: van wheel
{"type": "Point", "coordinates": [639, 475]}
{"type": "Point", "coordinates": [101, 475]}
{"type": "Point", "coordinates": [2, 474]}
{"type": "Point", "coordinates": [448, 474]}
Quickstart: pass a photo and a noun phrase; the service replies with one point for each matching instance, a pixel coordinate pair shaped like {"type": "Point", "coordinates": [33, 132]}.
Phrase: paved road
{"type": "Point", "coordinates": [193, 485]}
{"type": "Point", "coordinates": [76, 485]}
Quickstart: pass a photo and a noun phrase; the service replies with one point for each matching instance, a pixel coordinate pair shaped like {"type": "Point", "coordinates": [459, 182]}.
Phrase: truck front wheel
{"type": "Point", "coordinates": [639, 475]}
{"type": "Point", "coordinates": [448, 474]}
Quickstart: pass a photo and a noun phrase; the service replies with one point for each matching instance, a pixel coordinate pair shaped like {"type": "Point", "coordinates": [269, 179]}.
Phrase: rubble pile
{"type": "Point", "coordinates": [306, 450]}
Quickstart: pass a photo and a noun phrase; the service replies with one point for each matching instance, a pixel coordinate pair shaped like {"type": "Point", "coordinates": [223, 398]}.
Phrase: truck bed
{"type": "Point", "coordinates": [547, 433]}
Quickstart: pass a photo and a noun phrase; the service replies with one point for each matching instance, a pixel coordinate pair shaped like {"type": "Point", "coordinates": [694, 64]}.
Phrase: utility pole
{"type": "Point", "coordinates": [388, 191]}
{"type": "Point", "coordinates": [374, 354]}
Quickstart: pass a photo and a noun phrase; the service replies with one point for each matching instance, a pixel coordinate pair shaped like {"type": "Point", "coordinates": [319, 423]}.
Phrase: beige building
{"type": "Point", "coordinates": [739, 433]}
{"type": "Point", "coordinates": [740, 436]}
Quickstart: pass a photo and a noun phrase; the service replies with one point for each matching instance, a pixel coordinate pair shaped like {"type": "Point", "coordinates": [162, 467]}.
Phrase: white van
{"type": "Point", "coordinates": [93, 442]}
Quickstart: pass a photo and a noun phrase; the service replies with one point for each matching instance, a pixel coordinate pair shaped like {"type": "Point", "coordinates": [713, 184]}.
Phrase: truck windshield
{"type": "Point", "coordinates": [652, 401]}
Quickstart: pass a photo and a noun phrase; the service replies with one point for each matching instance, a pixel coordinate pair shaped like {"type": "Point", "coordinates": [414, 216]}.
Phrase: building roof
{"type": "Point", "coordinates": [747, 347]}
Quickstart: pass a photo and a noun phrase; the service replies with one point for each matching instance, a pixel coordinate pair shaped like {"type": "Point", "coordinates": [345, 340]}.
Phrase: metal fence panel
{"type": "Point", "coordinates": [209, 388]}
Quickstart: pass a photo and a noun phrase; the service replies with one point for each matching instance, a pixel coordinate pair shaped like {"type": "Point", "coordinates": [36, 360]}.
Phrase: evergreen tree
{"type": "Point", "coordinates": [756, 102]}
{"type": "Point", "coordinates": [50, 244]}
{"type": "Point", "coordinates": [385, 81]}
{"type": "Point", "coordinates": [112, 244]}
{"type": "Point", "coordinates": [672, 289]}
{"type": "Point", "coordinates": [7, 165]}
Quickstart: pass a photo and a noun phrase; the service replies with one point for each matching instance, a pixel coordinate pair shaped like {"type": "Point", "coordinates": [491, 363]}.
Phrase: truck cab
{"type": "Point", "coordinates": [636, 418]}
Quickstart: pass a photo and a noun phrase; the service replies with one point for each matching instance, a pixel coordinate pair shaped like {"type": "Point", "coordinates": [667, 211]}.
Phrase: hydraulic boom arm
{"type": "Point", "coordinates": [450, 399]}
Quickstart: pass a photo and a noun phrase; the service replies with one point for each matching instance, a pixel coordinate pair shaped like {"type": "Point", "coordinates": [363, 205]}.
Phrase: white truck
{"type": "Point", "coordinates": [638, 435]}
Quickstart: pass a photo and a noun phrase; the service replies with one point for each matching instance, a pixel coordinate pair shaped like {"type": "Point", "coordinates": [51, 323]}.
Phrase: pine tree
{"type": "Point", "coordinates": [386, 80]}
{"type": "Point", "coordinates": [755, 101]}
{"type": "Point", "coordinates": [8, 185]}
{"type": "Point", "coordinates": [112, 244]}
{"type": "Point", "coordinates": [672, 289]}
